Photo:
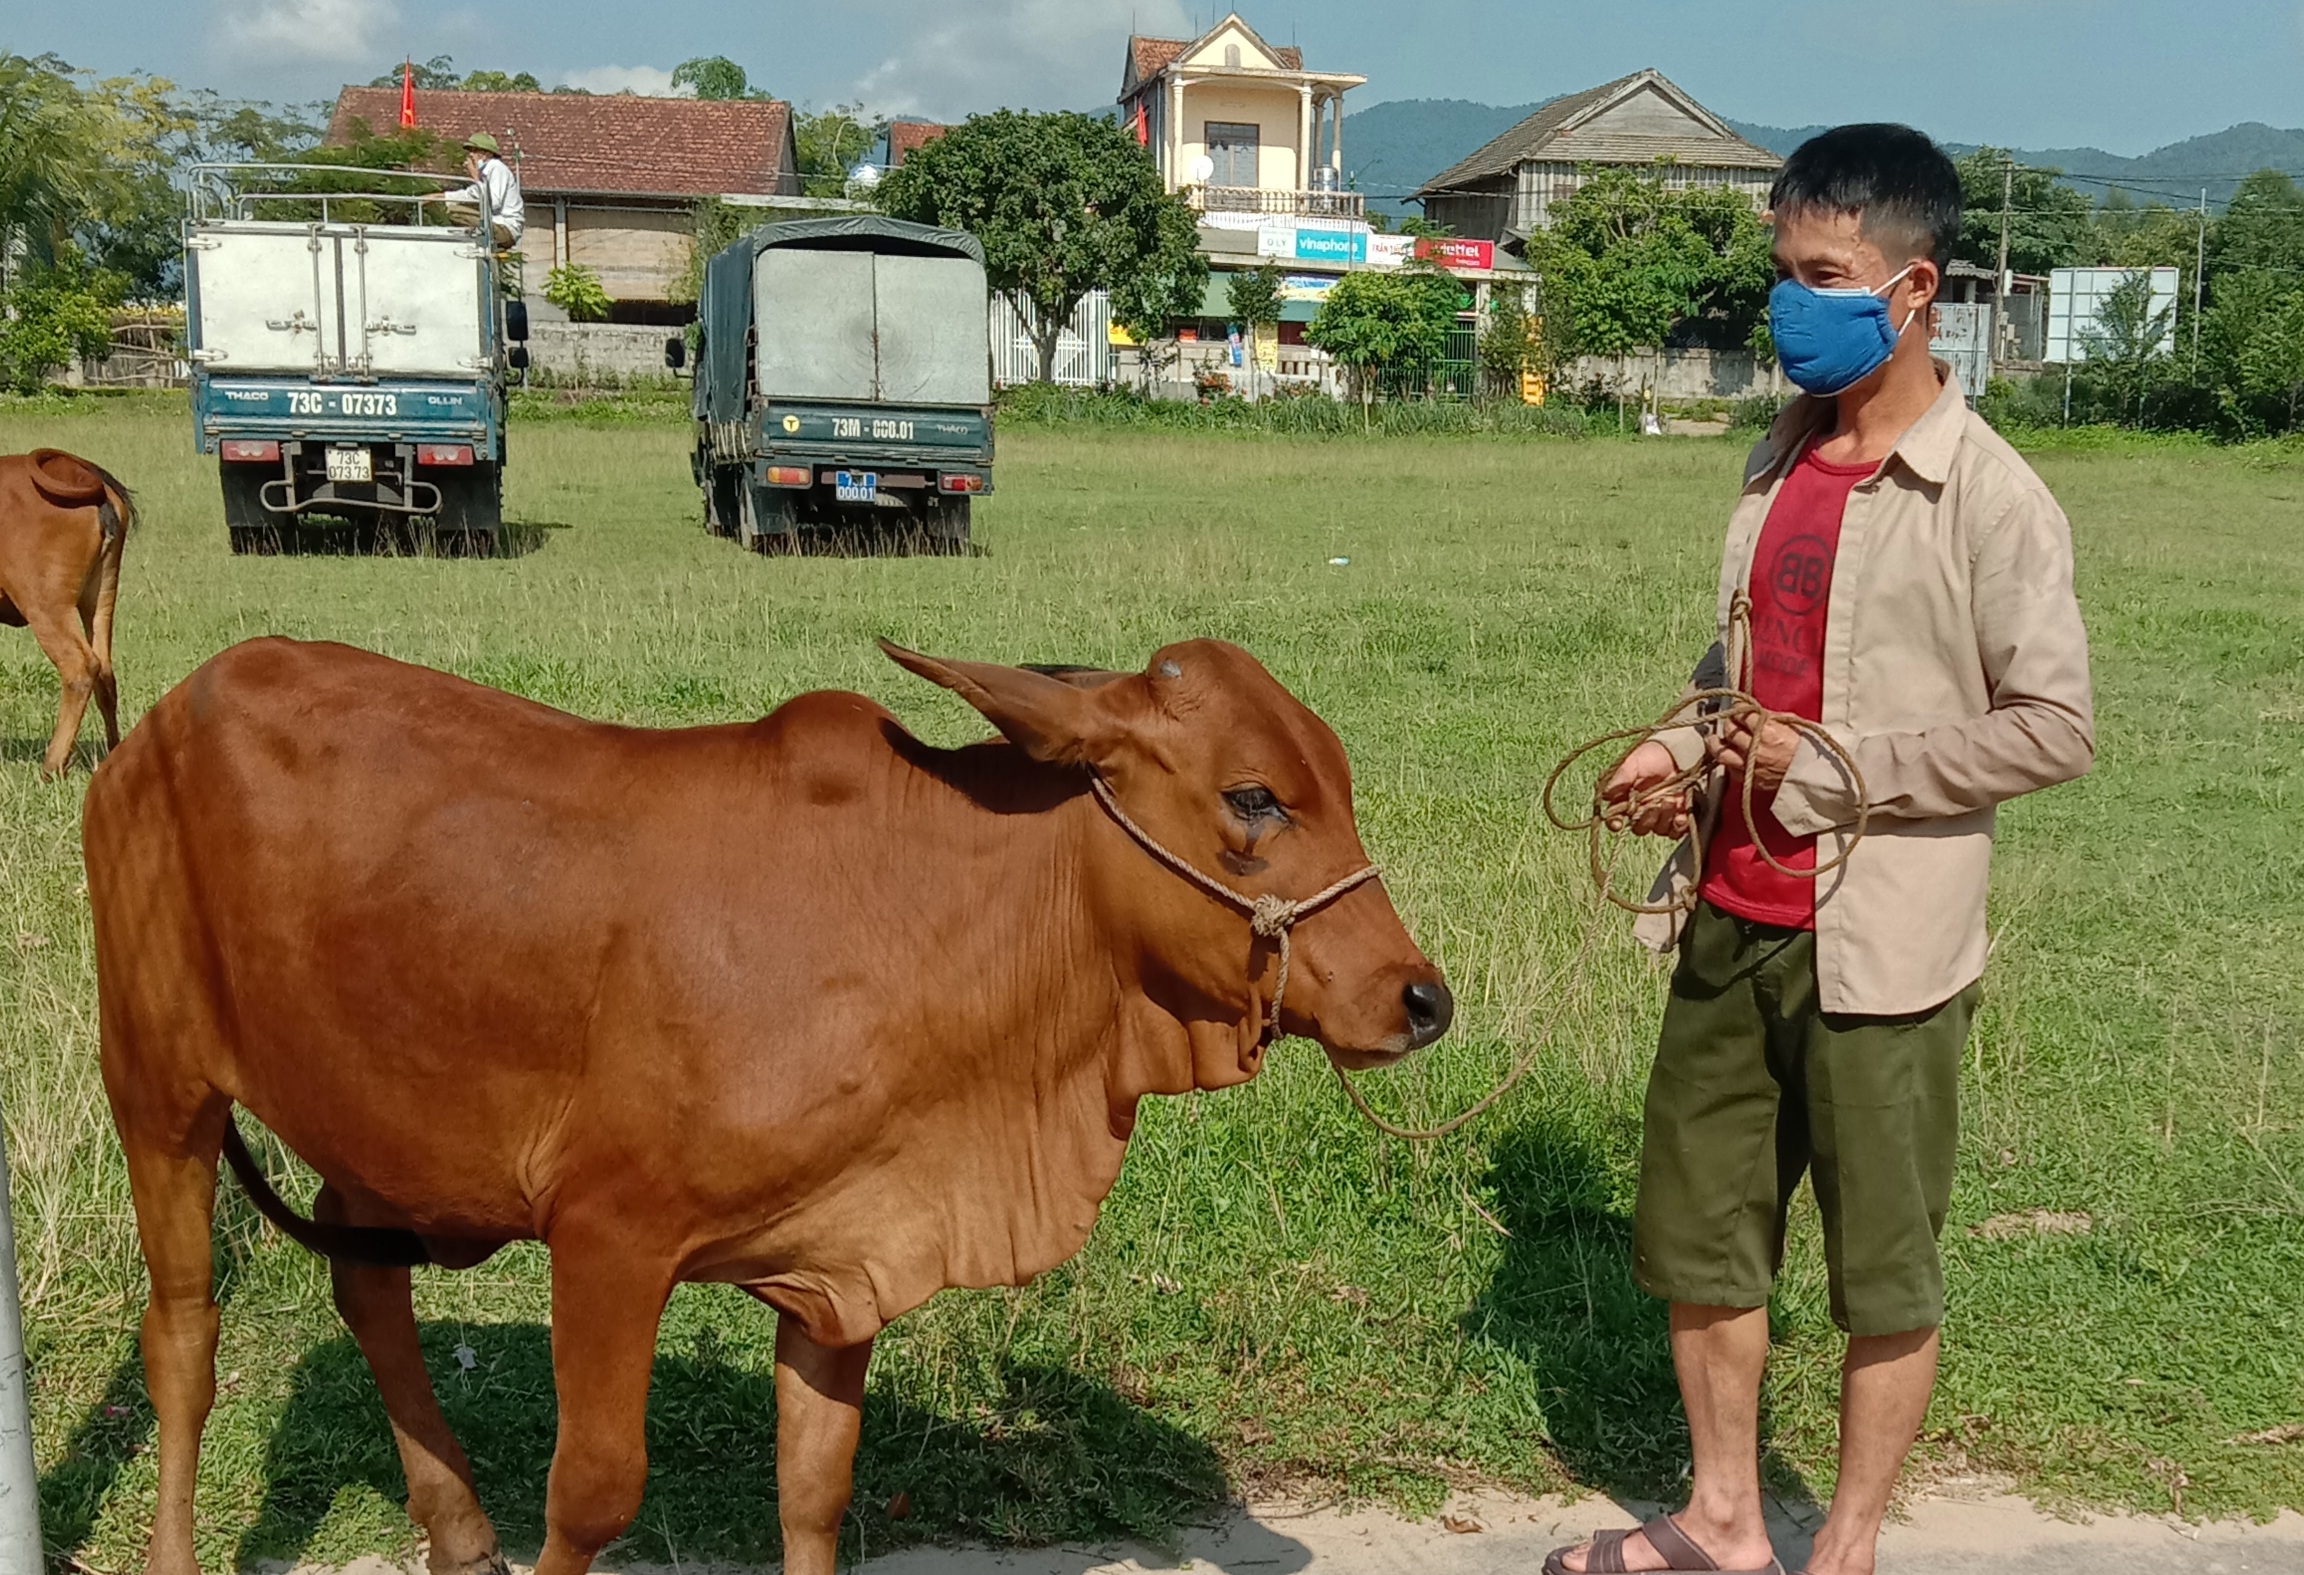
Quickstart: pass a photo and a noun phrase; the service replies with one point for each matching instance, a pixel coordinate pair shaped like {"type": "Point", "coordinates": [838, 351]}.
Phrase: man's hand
{"type": "Point", "coordinates": [1646, 767]}
{"type": "Point", "coordinates": [1768, 759]}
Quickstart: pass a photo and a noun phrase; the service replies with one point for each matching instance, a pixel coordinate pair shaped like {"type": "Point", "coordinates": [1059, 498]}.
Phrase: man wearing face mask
{"type": "Point", "coordinates": [1910, 585]}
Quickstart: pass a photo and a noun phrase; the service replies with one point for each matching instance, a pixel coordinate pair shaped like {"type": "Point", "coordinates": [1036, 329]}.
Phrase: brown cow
{"type": "Point", "coordinates": [63, 523]}
{"type": "Point", "coordinates": [802, 1005]}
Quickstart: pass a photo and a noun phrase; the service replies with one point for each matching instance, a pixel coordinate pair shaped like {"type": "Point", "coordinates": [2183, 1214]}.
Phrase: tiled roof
{"type": "Point", "coordinates": [620, 142]}
{"type": "Point", "coordinates": [907, 137]}
{"type": "Point", "coordinates": [1148, 57]}
{"type": "Point", "coordinates": [1550, 133]}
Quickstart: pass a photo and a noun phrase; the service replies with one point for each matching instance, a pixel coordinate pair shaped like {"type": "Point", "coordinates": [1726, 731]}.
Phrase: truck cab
{"type": "Point", "coordinates": [844, 384]}
{"type": "Point", "coordinates": [349, 355]}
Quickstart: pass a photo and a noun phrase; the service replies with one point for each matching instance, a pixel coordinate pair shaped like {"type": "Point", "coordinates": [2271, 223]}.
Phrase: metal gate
{"type": "Point", "coordinates": [1083, 350]}
{"type": "Point", "coordinates": [1964, 338]}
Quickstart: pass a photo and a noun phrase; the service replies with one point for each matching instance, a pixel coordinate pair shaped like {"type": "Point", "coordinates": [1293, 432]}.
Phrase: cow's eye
{"type": "Point", "coordinates": [1252, 804]}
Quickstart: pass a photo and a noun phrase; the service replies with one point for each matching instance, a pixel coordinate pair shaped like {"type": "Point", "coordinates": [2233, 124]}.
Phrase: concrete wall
{"type": "Point", "coordinates": [610, 353]}
{"type": "Point", "coordinates": [1277, 112]}
{"type": "Point", "coordinates": [1679, 374]}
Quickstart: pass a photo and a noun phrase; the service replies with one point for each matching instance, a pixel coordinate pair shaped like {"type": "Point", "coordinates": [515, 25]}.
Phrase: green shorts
{"type": "Point", "coordinates": [1755, 1084]}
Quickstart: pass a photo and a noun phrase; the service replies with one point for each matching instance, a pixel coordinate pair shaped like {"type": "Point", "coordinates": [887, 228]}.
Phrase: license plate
{"type": "Point", "coordinates": [855, 486]}
{"type": "Point", "coordinates": [350, 464]}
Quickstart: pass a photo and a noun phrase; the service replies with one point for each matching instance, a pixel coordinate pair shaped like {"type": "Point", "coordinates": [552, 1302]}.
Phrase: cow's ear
{"type": "Point", "coordinates": [1057, 722]}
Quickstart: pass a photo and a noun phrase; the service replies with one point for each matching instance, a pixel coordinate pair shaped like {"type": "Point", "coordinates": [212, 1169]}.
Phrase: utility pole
{"type": "Point", "coordinates": [2199, 279]}
{"type": "Point", "coordinates": [2000, 290]}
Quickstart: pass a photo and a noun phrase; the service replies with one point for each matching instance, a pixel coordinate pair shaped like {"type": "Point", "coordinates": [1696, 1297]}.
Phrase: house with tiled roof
{"type": "Point", "coordinates": [610, 180]}
{"type": "Point", "coordinates": [1504, 191]}
{"type": "Point", "coordinates": [1239, 125]}
{"type": "Point", "coordinates": [907, 137]}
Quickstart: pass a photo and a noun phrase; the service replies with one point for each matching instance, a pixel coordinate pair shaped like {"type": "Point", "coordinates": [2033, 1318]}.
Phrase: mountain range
{"type": "Point", "coordinates": [1395, 147]}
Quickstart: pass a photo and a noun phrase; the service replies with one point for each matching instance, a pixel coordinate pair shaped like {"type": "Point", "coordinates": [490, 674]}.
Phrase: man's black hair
{"type": "Point", "coordinates": [1899, 184]}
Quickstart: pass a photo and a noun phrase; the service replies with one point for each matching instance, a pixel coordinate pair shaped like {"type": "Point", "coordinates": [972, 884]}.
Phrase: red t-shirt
{"type": "Point", "coordinates": [1791, 589]}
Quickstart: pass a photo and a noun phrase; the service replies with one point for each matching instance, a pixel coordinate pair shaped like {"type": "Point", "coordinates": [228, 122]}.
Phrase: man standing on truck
{"type": "Point", "coordinates": [507, 216]}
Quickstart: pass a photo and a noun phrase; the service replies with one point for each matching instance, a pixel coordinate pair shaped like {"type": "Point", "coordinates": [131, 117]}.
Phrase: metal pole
{"type": "Point", "coordinates": [20, 1552]}
{"type": "Point", "coordinates": [2000, 279]}
{"type": "Point", "coordinates": [2199, 277]}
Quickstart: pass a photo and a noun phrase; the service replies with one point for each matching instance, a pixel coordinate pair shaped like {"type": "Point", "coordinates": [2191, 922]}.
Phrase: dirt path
{"type": "Point", "coordinates": [1989, 1534]}
{"type": "Point", "coordinates": [1971, 1536]}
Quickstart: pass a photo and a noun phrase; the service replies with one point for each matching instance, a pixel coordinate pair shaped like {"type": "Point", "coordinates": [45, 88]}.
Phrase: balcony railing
{"type": "Point", "coordinates": [1280, 203]}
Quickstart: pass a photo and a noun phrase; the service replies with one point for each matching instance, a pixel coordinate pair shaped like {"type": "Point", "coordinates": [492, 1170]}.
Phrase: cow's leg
{"type": "Point", "coordinates": [607, 1300]}
{"type": "Point", "coordinates": [75, 663]}
{"type": "Point", "coordinates": [819, 1414]}
{"type": "Point", "coordinates": [174, 1188]}
{"type": "Point", "coordinates": [97, 599]}
{"type": "Point", "coordinates": [376, 1308]}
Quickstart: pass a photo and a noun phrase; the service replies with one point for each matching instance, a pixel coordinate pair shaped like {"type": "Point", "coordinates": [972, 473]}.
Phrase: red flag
{"type": "Point", "coordinates": [1143, 127]}
{"type": "Point", "coordinates": [407, 96]}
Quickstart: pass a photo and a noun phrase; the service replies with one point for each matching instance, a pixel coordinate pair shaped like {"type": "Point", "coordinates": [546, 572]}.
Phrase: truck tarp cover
{"type": "Point", "coordinates": [873, 309]}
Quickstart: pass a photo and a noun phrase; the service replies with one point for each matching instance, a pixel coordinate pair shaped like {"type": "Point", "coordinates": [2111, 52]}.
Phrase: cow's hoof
{"type": "Point", "coordinates": [487, 1564]}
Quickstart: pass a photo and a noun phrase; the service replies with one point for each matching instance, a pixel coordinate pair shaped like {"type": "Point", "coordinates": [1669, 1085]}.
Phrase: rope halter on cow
{"type": "Point", "coordinates": [1269, 917]}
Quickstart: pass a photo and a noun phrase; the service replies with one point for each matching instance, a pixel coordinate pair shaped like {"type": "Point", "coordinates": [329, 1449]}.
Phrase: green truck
{"type": "Point", "coordinates": [843, 384]}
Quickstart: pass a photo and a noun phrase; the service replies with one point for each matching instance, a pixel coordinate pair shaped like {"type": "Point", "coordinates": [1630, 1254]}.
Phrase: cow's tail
{"type": "Point", "coordinates": [376, 1245]}
{"type": "Point", "coordinates": [71, 481]}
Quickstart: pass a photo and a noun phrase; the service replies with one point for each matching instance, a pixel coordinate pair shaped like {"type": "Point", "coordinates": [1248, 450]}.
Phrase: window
{"type": "Point", "coordinates": [1232, 149]}
{"type": "Point", "coordinates": [1231, 57]}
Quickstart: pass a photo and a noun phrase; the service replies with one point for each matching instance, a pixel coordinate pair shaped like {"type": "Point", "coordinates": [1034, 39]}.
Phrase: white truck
{"type": "Point", "coordinates": [344, 368]}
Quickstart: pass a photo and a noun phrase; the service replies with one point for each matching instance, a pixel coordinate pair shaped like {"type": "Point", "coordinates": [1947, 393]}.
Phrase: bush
{"type": "Point", "coordinates": [55, 315]}
{"type": "Point", "coordinates": [577, 290]}
{"type": "Point", "coordinates": [1297, 415]}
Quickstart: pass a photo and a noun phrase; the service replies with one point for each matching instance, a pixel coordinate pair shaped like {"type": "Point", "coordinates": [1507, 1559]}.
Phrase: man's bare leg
{"type": "Point", "coordinates": [1719, 1353]}
{"type": "Point", "coordinates": [1884, 1389]}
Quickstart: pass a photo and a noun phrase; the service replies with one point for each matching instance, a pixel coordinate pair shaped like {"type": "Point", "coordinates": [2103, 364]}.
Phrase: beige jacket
{"type": "Point", "coordinates": [1955, 671]}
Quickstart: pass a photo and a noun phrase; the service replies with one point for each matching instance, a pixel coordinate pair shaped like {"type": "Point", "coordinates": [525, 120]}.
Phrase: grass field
{"type": "Point", "coordinates": [1274, 1293]}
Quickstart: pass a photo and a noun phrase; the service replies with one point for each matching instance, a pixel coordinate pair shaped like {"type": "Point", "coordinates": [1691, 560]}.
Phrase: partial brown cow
{"type": "Point", "coordinates": [63, 523]}
{"type": "Point", "coordinates": [802, 1005]}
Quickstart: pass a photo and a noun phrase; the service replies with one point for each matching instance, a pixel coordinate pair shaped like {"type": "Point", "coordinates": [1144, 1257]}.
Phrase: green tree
{"type": "Point", "coordinates": [1377, 323]}
{"type": "Point", "coordinates": [715, 223]}
{"type": "Point", "coordinates": [829, 144]}
{"type": "Point", "coordinates": [1509, 341]}
{"type": "Point", "coordinates": [56, 313]}
{"type": "Point", "coordinates": [501, 82]}
{"type": "Point", "coordinates": [2049, 225]}
{"type": "Point", "coordinates": [577, 290]}
{"type": "Point", "coordinates": [716, 77]}
{"type": "Point", "coordinates": [2261, 230]}
{"type": "Point", "coordinates": [52, 145]}
{"type": "Point", "coordinates": [1627, 260]}
{"type": "Point", "coordinates": [438, 74]}
{"type": "Point", "coordinates": [2128, 345]}
{"type": "Point", "coordinates": [1064, 204]}
{"type": "Point", "coordinates": [1253, 297]}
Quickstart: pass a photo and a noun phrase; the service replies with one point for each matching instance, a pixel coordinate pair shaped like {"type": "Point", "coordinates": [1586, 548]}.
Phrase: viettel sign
{"type": "Point", "coordinates": [1451, 252]}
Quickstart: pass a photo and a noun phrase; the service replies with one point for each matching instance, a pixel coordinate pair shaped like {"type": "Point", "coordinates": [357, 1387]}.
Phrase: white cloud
{"type": "Point", "coordinates": [951, 60]}
{"type": "Point", "coordinates": [333, 32]}
{"type": "Point", "coordinates": [654, 81]}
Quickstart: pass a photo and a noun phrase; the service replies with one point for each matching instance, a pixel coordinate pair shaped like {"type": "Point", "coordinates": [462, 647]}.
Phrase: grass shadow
{"type": "Point", "coordinates": [1055, 1457]}
{"type": "Point", "coordinates": [1564, 1301]}
{"type": "Point", "coordinates": [110, 1433]}
{"type": "Point", "coordinates": [330, 537]}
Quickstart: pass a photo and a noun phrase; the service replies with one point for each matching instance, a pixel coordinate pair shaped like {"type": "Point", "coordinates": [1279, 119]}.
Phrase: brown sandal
{"type": "Point", "coordinates": [1681, 1556]}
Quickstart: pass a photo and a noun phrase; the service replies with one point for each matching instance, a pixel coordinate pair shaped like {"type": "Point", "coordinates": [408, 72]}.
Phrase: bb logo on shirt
{"type": "Point", "coordinates": [1802, 575]}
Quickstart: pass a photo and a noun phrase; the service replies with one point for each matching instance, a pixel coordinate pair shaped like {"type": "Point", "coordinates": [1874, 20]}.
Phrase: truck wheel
{"type": "Point", "coordinates": [249, 527]}
{"type": "Point", "coordinates": [471, 518]}
{"type": "Point", "coordinates": [946, 524]}
{"type": "Point", "coordinates": [770, 522]}
{"type": "Point", "coordinates": [724, 502]}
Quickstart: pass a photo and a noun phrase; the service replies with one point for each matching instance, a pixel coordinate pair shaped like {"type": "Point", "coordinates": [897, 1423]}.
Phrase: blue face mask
{"type": "Point", "coordinates": [1830, 340]}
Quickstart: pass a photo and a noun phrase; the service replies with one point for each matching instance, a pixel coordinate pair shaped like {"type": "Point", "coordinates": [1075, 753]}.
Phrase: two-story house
{"type": "Point", "coordinates": [1239, 126]}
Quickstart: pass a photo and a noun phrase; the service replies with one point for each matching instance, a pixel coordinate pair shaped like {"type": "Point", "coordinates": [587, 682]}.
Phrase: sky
{"type": "Point", "coordinates": [2123, 75]}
